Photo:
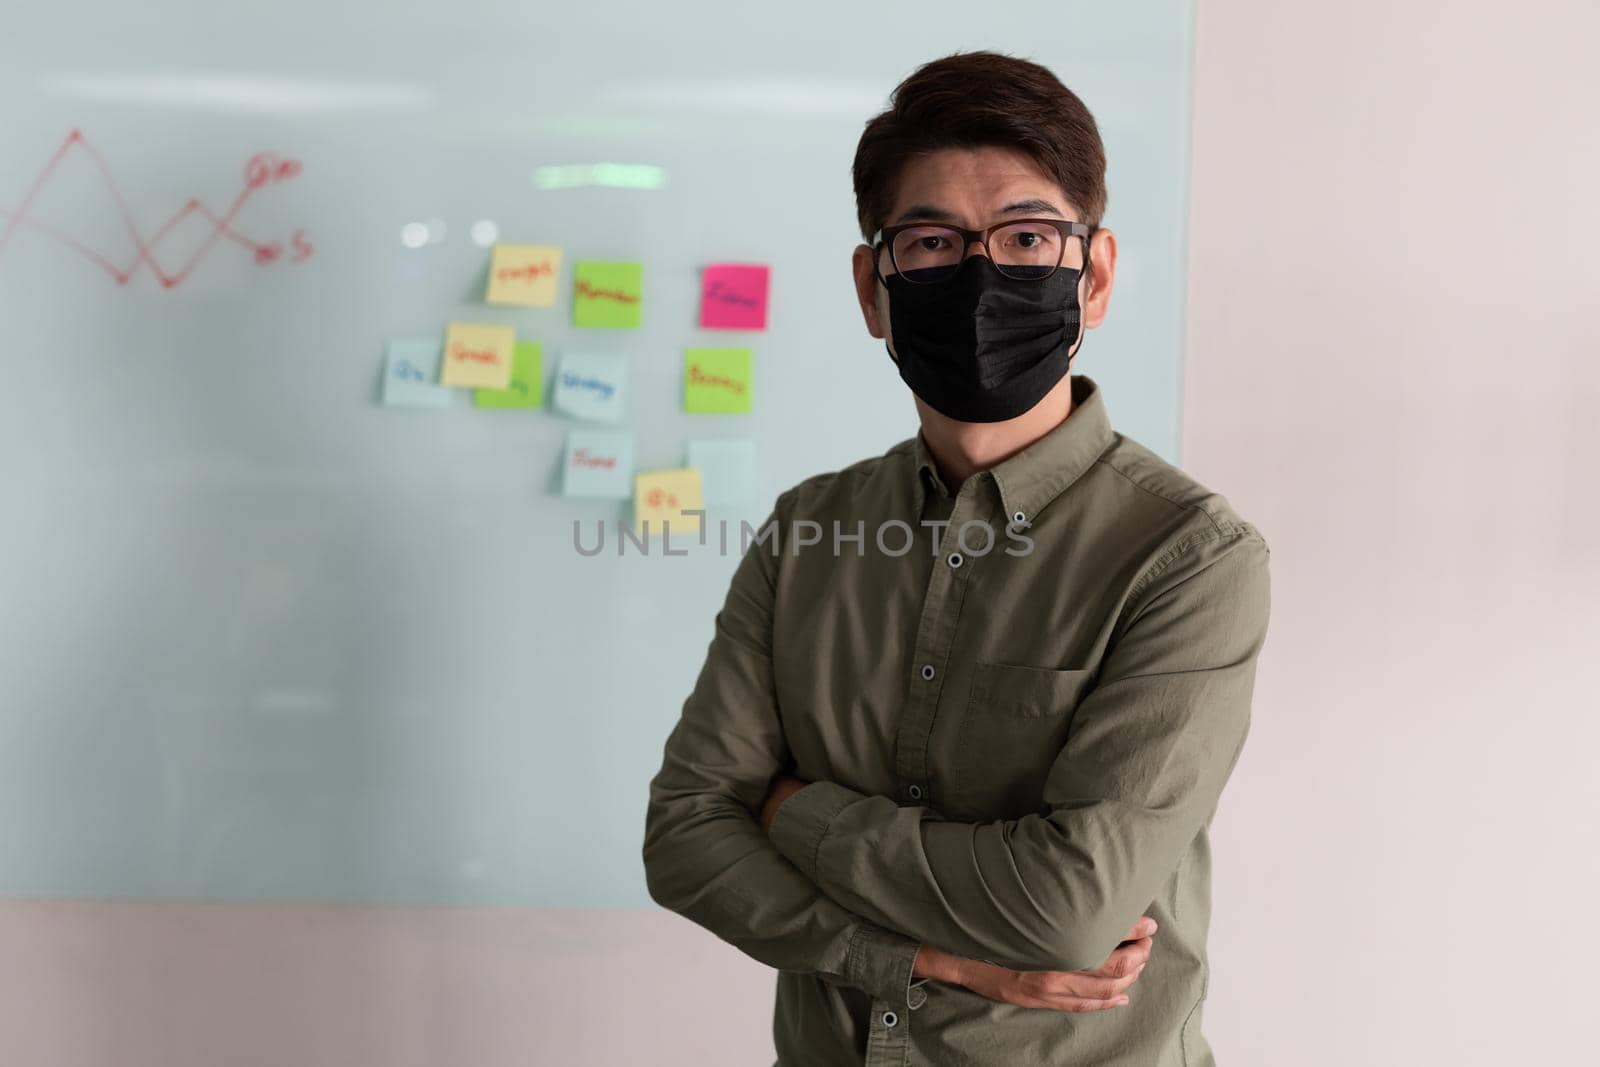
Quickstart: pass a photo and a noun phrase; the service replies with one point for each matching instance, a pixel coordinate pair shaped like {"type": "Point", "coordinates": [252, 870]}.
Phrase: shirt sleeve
{"type": "Point", "coordinates": [1149, 750]}
{"type": "Point", "coordinates": [705, 854]}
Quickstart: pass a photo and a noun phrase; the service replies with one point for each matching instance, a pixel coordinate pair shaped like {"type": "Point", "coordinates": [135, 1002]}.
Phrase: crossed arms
{"type": "Point", "coordinates": [847, 886]}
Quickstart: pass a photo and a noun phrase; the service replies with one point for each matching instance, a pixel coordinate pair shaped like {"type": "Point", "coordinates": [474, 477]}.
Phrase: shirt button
{"type": "Point", "coordinates": [927, 672]}
{"type": "Point", "coordinates": [890, 1018]}
{"type": "Point", "coordinates": [916, 792]}
{"type": "Point", "coordinates": [1020, 519]}
{"type": "Point", "coordinates": [955, 559]}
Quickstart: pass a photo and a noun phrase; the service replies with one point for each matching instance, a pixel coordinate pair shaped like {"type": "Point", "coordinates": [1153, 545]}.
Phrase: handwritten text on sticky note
{"type": "Point", "coordinates": [717, 380]}
{"type": "Point", "coordinates": [598, 463]}
{"type": "Point", "coordinates": [523, 275]}
{"type": "Point", "coordinates": [592, 385]}
{"type": "Point", "coordinates": [411, 374]}
{"type": "Point", "coordinates": [662, 496]}
{"type": "Point", "coordinates": [733, 296]}
{"type": "Point", "coordinates": [478, 355]}
{"type": "Point", "coordinates": [607, 294]}
{"type": "Point", "coordinates": [527, 381]}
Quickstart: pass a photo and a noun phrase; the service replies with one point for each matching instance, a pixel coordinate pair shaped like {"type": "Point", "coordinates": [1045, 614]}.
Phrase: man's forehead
{"type": "Point", "coordinates": [952, 184]}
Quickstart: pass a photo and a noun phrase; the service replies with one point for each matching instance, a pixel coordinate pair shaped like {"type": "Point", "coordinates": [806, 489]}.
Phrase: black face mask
{"type": "Point", "coordinates": [982, 347]}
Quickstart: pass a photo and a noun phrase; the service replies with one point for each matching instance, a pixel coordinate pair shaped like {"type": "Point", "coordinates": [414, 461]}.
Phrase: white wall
{"type": "Point", "coordinates": [1393, 367]}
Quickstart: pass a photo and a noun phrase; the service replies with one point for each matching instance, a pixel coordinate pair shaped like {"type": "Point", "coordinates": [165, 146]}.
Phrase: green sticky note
{"type": "Point", "coordinates": [607, 294]}
{"type": "Point", "coordinates": [527, 381]}
{"type": "Point", "coordinates": [717, 381]}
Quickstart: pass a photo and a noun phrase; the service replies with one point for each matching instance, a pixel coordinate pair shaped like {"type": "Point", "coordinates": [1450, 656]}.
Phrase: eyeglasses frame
{"type": "Point", "coordinates": [1065, 227]}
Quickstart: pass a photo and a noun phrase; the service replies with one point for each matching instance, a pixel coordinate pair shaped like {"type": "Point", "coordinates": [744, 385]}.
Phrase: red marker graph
{"type": "Point", "coordinates": [262, 170]}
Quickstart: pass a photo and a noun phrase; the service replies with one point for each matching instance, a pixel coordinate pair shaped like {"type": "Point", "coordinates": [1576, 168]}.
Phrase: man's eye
{"type": "Point", "coordinates": [931, 244]}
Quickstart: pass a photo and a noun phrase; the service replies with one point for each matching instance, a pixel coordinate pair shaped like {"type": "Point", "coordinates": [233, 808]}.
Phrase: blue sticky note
{"type": "Point", "coordinates": [598, 463]}
{"type": "Point", "coordinates": [727, 470]}
{"type": "Point", "coordinates": [592, 385]}
{"type": "Point", "coordinates": [411, 373]}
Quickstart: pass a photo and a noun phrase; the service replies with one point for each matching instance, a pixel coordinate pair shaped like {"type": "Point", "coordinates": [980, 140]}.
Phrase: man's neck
{"type": "Point", "coordinates": [962, 449]}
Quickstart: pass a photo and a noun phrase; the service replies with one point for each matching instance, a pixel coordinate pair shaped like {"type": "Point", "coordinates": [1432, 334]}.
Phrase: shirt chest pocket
{"type": "Point", "coordinates": [1012, 729]}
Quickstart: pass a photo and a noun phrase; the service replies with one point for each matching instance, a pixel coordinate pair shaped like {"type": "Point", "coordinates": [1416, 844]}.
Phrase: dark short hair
{"type": "Point", "coordinates": [973, 99]}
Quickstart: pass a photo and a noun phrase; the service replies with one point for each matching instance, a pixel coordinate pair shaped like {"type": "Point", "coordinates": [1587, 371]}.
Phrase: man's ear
{"type": "Point", "coordinates": [1102, 274]}
{"type": "Point", "coordinates": [866, 280]}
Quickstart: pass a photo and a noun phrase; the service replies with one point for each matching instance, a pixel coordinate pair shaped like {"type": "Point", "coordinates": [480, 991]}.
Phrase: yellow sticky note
{"type": "Point", "coordinates": [524, 275]}
{"type": "Point", "coordinates": [477, 356]}
{"type": "Point", "coordinates": [661, 497]}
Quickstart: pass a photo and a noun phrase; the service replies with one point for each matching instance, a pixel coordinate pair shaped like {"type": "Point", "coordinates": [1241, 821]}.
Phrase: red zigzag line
{"type": "Point", "coordinates": [220, 225]}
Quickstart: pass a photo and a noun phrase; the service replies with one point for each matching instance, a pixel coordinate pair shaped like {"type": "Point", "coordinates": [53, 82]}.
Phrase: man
{"type": "Point", "coordinates": [950, 793]}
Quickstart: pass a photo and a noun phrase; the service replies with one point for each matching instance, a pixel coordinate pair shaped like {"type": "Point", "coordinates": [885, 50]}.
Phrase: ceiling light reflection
{"type": "Point", "coordinates": [613, 175]}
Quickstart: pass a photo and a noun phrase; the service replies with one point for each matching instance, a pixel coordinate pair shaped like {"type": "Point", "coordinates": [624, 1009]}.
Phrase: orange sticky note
{"type": "Point", "coordinates": [477, 355]}
{"type": "Point", "coordinates": [661, 496]}
{"type": "Point", "coordinates": [524, 275]}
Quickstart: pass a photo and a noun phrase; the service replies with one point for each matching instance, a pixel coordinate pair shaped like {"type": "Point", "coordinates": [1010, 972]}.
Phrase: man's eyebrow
{"type": "Point", "coordinates": [1032, 206]}
{"type": "Point", "coordinates": [925, 211]}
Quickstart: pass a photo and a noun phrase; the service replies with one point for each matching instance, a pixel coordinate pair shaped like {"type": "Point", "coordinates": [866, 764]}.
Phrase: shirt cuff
{"type": "Point", "coordinates": [880, 962]}
{"type": "Point", "coordinates": [802, 821]}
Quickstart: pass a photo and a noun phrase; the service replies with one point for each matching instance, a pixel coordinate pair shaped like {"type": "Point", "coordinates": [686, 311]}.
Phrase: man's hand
{"type": "Point", "coordinates": [782, 786]}
{"type": "Point", "coordinates": [1104, 987]}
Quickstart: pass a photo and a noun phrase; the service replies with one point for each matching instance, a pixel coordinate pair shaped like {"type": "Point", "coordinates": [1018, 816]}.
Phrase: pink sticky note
{"type": "Point", "coordinates": [733, 296]}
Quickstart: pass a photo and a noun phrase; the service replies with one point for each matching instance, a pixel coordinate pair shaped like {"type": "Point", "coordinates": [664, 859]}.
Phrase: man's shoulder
{"type": "Point", "coordinates": [827, 491]}
{"type": "Point", "coordinates": [1191, 510]}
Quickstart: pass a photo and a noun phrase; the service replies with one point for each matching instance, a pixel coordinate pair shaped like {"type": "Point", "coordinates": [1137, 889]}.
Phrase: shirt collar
{"type": "Point", "coordinates": [1035, 476]}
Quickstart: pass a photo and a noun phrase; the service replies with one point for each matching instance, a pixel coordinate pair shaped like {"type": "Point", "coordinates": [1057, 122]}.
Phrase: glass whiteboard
{"type": "Point", "coordinates": [266, 638]}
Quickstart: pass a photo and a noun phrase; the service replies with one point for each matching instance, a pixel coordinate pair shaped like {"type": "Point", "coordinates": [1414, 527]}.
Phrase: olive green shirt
{"type": "Point", "coordinates": [1015, 730]}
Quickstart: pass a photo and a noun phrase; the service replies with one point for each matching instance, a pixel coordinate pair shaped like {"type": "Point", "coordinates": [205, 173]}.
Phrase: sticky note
{"type": "Point", "coordinates": [598, 463]}
{"type": "Point", "coordinates": [727, 469]}
{"type": "Point", "coordinates": [527, 381]}
{"type": "Point", "coordinates": [478, 355]}
{"type": "Point", "coordinates": [733, 296]}
{"type": "Point", "coordinates": [411, 374]}
{"type": "Point", "coordinates": [716, 380]}
{"type": "Point", "coordinates": [607, 294]}
{"type": "Point", "coordinates": [523, 275]}
{"type": "Point", "coordinates": [661, 496]}
{"type": "Point", "coordinates": [592, 385]}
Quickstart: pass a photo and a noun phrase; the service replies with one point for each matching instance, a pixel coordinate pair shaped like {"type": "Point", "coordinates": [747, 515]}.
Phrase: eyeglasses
{"type": "Point", "coordinates": [1031, 249]}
